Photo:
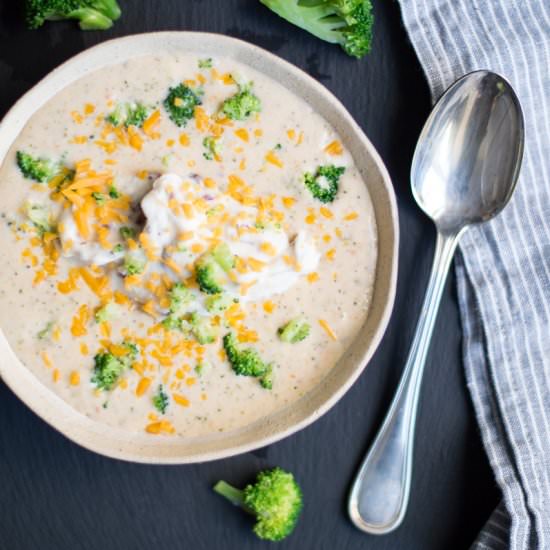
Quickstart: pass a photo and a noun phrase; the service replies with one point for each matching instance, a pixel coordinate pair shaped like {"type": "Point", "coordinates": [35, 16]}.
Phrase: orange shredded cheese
{"type": "Point", "coordinates": [184, 140]}
{"type": "Point", "coordinates": [330, 254]}
{"type": "Point", "coordinates": [326, 327]}
{"type": "Point", "coordinates": [142, 386]}
{"type": "Point", "coordinates": [325, 212]}
{"type": "Point", "coordinates": [242, 133]}
{"type": "Point", "coordinates": [181, 400]}
{"type": "Point", "coordinates": [162, 426]}
{"type": "Point", "coordinates": [312, 277]}
{"type": "Point", "coordinates": [334, 148]}
{"type": "Point", "coordinates": [351, 216]}
{"type": "Point", "coordinates": [269, 306]}
{"type": "Point", "coordinates": [272, 158]}
{"type": "Point", "coordinates": [74, 378]}
{"type": "Point", "coordinates": [288, 202]}
{"type": "Point", "coordinates": [46, 359]}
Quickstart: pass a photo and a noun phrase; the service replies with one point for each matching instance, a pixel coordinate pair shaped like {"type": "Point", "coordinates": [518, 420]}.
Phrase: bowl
{"type": "Point", "coordinates": [142, 448]}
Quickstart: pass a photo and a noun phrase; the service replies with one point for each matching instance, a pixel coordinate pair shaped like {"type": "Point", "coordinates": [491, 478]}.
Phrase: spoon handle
{"type": "Point", "coordinates": [380, 493]}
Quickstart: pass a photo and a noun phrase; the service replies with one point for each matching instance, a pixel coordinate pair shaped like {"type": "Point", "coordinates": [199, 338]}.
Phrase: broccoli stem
{"type": "Point", "coordinates": [230, 493]}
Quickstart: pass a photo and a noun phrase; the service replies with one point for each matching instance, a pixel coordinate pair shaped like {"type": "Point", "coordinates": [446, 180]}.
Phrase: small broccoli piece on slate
{"type": "Point", "coordinates": [180, 104]}
{"type": "Point", "coordinates": [324, 184]}
{"type": "Point", "coordinates": [345, 22]}
{"type": "Point", "coordinates": [241, 105]}
{"type": "Point", "coordinates": [212, 267]}
{"type": "Point", "coordinates": [91, 14]}
{"type": "Point", "coordinates": [106, 312]}
{"type": "Point", "coordinates": [247, 361]}
{"type": "Point", "coordinates": [160, 400]}
{"type": "Point", "coordinates": [202, 329]}
{"type": "Point", "coordinates": [34, 168]}
{"type": "Point", "coordinates": [128, 114]}
{"type": "Point", "coordinates": [294, 331]}
{"type": "Point", "coordinates": [109, 367]}
{"type": "Point", "coordinates": [275, 499]}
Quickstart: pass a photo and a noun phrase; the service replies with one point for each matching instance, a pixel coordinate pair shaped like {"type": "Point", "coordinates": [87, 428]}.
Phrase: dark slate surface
{"type": "Point", "coordinates": [57, 496]}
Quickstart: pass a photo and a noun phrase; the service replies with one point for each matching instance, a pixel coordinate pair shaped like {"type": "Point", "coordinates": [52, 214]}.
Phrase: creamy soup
{"type": "Point", "coordinates": [162, 222]}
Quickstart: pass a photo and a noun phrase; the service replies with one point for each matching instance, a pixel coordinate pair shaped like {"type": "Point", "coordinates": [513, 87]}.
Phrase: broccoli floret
{"type": "Point", "coordinates": [205, 63]}
{"type": "Point", "coordinates": [127, 232]}
{"type": "Point", "coordinates": [201, 367]}
{"type": "Point", "coordinates": [180, 299]}
{"type": "Point", "coordinates": [173, 322]}
{"type": "Point", "coordinates": [99, 198]}
{"type": "Point", "coordinates": [34, 168]}
{"type": "Point", "coordinates": [118, 248]}
{"type": "Point", "coordinates": [40, 216]}
{"type": "Point", "coordinates": [134, 264]}
{"type": "Point", "coordinates": [294, 331]}
{"type": "Point", "coordinates": [128, 114]}
{"type": "Point", "coordinates": [218, 303]}
{"type": "Point", "coordinates": [324, 184]}
{"type": "Point", "coordinates": [180, 104]}
{"type": "Point", "coordinates": [246, 361]}
{"type": "Point", "coordinates": [211, 269]}
{"type": "Point", "coordinates": [109, 367]}
{"type": "Point", "coordinates": [202, 329]}
{"type": "Point", "coordinates": [345, 22]}
{"type": "Point", "coordinates": [160, 400]}
{"type": "Point", "coordinates": [106, 312]}
{"type": "Point", "coordinates": [212, 148]}
{"type": "Point", "coordinates": [91, 14]}
{"type": "Point", "coordinates": [243, 104]}
{"type": "Point", "coordinates": [113, 192]}
{"type": "Point", "coordinates": [46, 331]}
{"type": "Point", "coordinates": [275, 499]}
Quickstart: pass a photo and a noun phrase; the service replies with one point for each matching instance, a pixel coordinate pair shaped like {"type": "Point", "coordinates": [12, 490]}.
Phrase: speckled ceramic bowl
{"type": "Point", "coordinates": [144, 448]}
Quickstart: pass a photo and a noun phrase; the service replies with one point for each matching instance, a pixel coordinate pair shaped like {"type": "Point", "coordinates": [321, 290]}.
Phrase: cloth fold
{"type": "Point", "coordinates": [503, 267]}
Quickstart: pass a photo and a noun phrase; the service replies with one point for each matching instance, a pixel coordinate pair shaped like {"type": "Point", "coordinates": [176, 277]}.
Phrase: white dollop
{"type": "Point", "coordinates": [163, 224]}
{"type": "Point", "coordinates": [87, 251]}
{"type": "Point", "coordinates": [278, 276]}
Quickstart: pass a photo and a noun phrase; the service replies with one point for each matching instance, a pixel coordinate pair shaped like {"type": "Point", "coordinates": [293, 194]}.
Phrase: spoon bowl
{"type": "Point", "coordinates": [464, 172]}
{"type": "Point", "coordinates": [467, 160]}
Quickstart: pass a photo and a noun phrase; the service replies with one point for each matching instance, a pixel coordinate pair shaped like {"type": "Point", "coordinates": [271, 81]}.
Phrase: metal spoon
{"type": "Point", "coordinates": [464, 171]}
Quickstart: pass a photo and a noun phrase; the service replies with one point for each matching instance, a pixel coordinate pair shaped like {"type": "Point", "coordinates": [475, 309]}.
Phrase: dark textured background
{"type": "Point", "coordinates": [57, 496]}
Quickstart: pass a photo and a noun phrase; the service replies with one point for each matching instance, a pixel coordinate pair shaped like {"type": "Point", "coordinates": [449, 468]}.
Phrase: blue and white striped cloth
{"type": "Point", "coordinates": [503, 268]}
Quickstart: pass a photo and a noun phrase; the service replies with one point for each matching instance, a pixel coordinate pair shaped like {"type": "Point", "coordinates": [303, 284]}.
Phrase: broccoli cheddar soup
{"type": "Point", "coordinates": [185, 246]}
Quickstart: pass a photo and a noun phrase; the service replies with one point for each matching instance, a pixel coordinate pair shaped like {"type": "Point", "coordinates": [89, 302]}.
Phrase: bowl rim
{"type": "Point", "coordinates": [79, 432]}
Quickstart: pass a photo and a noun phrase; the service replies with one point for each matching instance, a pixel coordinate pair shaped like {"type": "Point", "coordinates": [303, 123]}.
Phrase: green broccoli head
{"type": "Point", "coordinates": [345, 22]}
{"type": "Point", "coordinates": [203, 330]}
{"type": "Point", "coordinates": [275, 499]}
{"type": "Point", "coordinates": [34, 168]}
{"type": "Point", "coordinates": [212, 267]}
{"type": "Point", "coordinates": [160, 400]}
{"type": "Point", "coordinates": [106, 312]}
{"type": "Point", "coordinates": [218, 303]}
{"type": "Point", "coordinates": [127, 232]}
{"type": "Point", "coordinates": [324, 184]}
{"type": "Point", "coordinates": [241, 105]}
{"type": "Point", "coordinates": [40, 216]}
{"type": "Point", "coordinates": [180, 104]}
{"type": "Point", "coordinates": [212, 148]}
{"type": "Point", "coordinates": [247, 361]}
{"type": "Point", "coordinates": [91, 14]}
{"type": "Point", "coordinates": [180, 299]}
{"type": "Point", "coordinates": [109, 367]}
{"type": "Point", "coordinates": [128, 114]}
{"type": "Point", "coordinates": [134, 263]}
{"type": "Point", "coordinates": [294, 331]}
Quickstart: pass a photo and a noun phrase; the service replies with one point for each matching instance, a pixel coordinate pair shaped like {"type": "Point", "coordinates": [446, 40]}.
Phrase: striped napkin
{"type": "Point", "coordinates": [503, 268]}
